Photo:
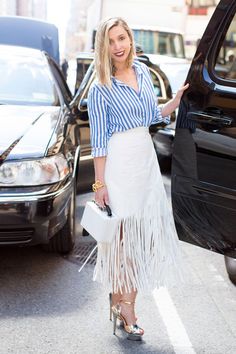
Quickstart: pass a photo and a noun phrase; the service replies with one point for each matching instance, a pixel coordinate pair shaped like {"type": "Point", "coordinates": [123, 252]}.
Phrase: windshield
{"type": "Point", "coordinates": [164, 43]}
{"type": "Point", "coordinates": [26, 80]}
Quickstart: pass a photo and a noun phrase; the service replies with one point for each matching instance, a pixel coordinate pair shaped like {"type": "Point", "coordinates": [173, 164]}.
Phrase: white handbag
{"type": "Point", "coordinates": [101, 224]}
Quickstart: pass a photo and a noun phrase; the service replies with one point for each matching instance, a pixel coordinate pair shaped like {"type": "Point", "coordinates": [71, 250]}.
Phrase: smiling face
{"type": "Point", "coordinates": [119, 45]}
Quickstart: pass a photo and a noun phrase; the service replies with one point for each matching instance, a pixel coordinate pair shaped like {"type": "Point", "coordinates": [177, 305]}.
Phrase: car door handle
{"type": "Point", "coordinates": [203, 117]}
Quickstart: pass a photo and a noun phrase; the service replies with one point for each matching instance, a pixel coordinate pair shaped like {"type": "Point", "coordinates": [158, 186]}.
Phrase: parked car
{"type": "Point", "coordinates": [39, 151]}
{"type": "Point", "coordinates": [204, 155]}
{"type": "Point", "coordinates": [84, 78]}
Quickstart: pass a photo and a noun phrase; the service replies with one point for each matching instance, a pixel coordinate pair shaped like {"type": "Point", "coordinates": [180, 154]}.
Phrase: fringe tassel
{"type": "Point", "coordinates": [145, 253]}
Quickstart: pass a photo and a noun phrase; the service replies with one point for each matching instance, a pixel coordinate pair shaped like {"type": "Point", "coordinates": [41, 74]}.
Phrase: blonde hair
{"type": "Point", "coordinates": [103, 63]}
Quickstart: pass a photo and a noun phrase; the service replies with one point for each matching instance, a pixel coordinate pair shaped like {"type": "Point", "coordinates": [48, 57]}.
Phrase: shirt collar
{"type": "Point", "coordinates": [138, 71]}
{"type": "Point", "coordinates": [136, 65]}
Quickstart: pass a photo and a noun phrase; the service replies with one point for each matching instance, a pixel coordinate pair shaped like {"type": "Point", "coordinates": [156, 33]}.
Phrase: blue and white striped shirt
{"type": "Point", "coordinates": [120, 108]}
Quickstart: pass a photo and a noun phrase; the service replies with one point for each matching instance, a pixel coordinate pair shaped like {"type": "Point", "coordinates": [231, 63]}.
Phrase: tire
{"type": "Point", "coordinates": [230, 264]}
{"type": "Point", "coordinates": [63, 242]}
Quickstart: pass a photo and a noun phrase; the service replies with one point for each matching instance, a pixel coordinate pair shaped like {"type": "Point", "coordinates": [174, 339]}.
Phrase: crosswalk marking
{"type": "Point", "coordinates": [174, 326]}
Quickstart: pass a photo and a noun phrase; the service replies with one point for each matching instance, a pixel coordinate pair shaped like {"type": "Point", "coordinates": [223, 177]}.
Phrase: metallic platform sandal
{"type": "Point", "coordinates": [111, 312]}
{"type": "Point", "coordinates": [134, 331]}
{"type": "Point", "coordinates": [110, 303]}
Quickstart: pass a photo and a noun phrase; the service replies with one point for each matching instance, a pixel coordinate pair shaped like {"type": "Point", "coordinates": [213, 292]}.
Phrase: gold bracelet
{"type": "Point", "coordinates": [98, 184]}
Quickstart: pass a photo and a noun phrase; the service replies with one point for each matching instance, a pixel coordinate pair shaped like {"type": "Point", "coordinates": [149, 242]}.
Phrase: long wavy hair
{"type": "Point", "coordinates": [103, 62]}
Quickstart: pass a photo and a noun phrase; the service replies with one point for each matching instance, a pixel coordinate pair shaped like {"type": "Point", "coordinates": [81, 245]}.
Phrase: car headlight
{"type": "Point", "coordinates": [34, 172]}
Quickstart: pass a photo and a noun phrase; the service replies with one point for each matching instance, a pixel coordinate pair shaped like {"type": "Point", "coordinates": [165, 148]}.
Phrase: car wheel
{"type": "Point", "coordinates": [63, 242]}
{"type": "Point", "coordinates": [230, 264]}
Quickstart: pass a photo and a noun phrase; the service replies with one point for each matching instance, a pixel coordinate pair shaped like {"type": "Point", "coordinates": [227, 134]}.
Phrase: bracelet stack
{"type": "Point", "coordinates": [98, 184]}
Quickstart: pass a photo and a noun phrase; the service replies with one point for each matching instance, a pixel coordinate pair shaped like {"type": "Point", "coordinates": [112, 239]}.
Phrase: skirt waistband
{"type": "Point", "coordinates": [133, 131]}
{"type": "Point", "coordinates": [137, 138]}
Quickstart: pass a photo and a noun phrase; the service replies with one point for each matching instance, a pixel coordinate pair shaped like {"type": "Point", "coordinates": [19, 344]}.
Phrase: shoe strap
{"type": "Point", "coordinates": [128, 302]}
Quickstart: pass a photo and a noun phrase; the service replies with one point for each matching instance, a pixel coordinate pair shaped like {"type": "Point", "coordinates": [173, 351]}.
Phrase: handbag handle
{"type": "Point", "coordinates": [107, 208]}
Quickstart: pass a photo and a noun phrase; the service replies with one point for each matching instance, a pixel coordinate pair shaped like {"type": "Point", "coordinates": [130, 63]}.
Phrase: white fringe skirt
{"type": "Point", "coordinates": [145, 252]}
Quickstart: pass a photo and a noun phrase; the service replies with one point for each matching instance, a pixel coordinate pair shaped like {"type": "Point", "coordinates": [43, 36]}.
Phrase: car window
{"type": "Point", "coordinates": [82, 67]}
{"type": "Point", "coordinates": [157, 42]}
{"type": "Point", "coordinates": [158, 83]}
{"type": "Point", "coordinates": [26, 80]}
{"type": "Point", "coordinates": [60, 80]}
{"type": "Point", "coordinates": [226, 60]}
{"type": "Point", "coordinates": [82, 105]}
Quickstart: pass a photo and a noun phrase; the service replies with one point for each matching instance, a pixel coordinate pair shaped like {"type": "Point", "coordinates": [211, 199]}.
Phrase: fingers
{"type": "Point", "coordinates": [106, 199]}
{"type": "Point", "coordinates": [181, 91]}
{"type": "Point", "coordinates": [101, 197]}
{"type": "Point", "coordinates": [185, 87]}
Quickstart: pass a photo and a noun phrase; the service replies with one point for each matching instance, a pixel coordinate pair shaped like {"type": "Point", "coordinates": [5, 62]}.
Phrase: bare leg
{"type": "Point", "coordinates": [128, 310]}
{"type": "Point", "coordinates": [116, 297]}
{"type": "Point", "coordinates": [120, 298]}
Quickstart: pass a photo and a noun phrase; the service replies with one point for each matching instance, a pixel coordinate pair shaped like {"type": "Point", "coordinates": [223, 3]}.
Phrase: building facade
{"type": "Point", "coordinates": [199, 14]}
{"type": "Point", "coordinates": [7, 7]}
{"type": "Point", "coordinates": [32, 8]}
{"type": "Point", "coordinates": [76, 35]}
{"type": "Point", "coordinates": [26, 8]}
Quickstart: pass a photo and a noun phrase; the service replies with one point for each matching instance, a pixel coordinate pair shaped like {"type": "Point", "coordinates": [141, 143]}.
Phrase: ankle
{"type": "Point", "coordinates": [127, 310]}
{"type": "Point", "coordinates": [116, 298]}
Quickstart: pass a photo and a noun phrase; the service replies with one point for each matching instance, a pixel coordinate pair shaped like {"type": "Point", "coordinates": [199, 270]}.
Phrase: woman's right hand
{"type": "Point", "coordinates": [101, 197]}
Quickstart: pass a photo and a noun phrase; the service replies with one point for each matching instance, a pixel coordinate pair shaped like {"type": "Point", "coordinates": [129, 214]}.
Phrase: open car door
{"type": "Point", "coordinates": [204, 158]}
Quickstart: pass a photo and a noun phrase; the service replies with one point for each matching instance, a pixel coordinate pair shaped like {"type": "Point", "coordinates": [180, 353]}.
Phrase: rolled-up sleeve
{"type": "Point", "coordinates": [97, 111]}
{"type": "Point", "coordinates": [157, 115]}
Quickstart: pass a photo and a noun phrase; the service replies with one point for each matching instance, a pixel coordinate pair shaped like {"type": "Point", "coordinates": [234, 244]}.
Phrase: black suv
{"type": "Point", "coordinates": [204, 156]}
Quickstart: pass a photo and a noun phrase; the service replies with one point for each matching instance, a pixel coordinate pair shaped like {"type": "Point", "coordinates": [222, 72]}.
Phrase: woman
{"type": "Point", "coordinates": [122, 105]}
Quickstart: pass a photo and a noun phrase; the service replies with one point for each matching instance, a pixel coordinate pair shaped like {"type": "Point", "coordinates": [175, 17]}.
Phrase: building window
{"type": "Point", "coordinates": [200, 7]}
{"type": "Point", "coordinates": [202, 3]}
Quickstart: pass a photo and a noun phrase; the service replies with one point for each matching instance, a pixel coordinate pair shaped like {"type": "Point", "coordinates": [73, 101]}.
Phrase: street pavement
{"type": "Point", "coordinates": [48, 307]}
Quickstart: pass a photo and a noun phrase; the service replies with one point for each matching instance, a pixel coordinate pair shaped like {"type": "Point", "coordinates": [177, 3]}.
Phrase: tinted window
{"type": "Point", "coordinates": [26, 80]}
{"type": "Point", "coordinates": [226, 61]}
{"type": "Point", "coordinates": [158, 84]}
{"type": "Point", "coordinates": [82, 67]}
{"type": "Point", "coordinates": [155, 42]}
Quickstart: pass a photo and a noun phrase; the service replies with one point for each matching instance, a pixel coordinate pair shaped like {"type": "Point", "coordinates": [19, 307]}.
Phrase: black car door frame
{"type": "Point", "coordinates": [204, 158]}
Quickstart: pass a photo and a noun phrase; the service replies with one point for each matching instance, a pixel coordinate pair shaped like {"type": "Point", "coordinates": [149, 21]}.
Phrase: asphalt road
{"type": "Point", "coordinates": [47, 307]}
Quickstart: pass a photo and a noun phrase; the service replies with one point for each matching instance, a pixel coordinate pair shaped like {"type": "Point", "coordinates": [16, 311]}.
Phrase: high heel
{"type": "Point", "coordinates": [115, 316]}
{"type": "Point", "coordinates": [134, 331]}
{"type": "Point", "coordinates": [111, 312]}
{"type": "Point", "coordinates": [110, 307]}
{"type": "Point", "coordinates": [110, 302]}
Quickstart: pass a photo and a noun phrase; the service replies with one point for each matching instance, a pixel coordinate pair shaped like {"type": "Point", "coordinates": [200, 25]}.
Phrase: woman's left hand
{"type": "Point", "coordinates": [181, 91]}
{"type": "Point", "coordinates": [171, 106]}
